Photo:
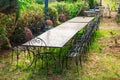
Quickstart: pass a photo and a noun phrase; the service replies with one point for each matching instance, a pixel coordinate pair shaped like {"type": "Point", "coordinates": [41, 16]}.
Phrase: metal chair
{"type": "Point", "coordinates": [41, 52]}
{"type": "Point", "coordinates": [73, 53]}
{"type": "Point", "coordinates": [17, 48]}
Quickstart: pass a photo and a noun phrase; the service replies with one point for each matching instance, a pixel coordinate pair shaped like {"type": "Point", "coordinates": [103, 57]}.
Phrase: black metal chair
{"type": "Point", "coordinates": [73, 53]}
{"type": "Point", "coordinates": [41, 53]}
{"type": "Point", "coordinates": [18, 48]}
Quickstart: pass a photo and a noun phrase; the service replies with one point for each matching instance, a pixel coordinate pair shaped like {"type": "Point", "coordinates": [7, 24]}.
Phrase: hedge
{"type": "Point", "coordinates": [32, 13]}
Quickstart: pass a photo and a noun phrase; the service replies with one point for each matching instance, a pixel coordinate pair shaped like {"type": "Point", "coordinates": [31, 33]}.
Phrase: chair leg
{"type": "Point", "coordinates": [12, 55]}
{"type": "Point", "coordinates": [33, 60]}
{"type": "Point", "coordinates": [63, 59]}
{"type": "Point", "coordinates": [17, 57]}
{"type": "Point", "coordinates": [46, 62]}
{"type": "Point", "coordinates": [67, 62]}
{"type": "Point", "coordinates": [77, 63]}
{"type": "Point", "coordinates": [42, 60]}
{"type": "Point", "coordinates": [80, 59]}
{"type": "Point", "coordinates": [54, 59]}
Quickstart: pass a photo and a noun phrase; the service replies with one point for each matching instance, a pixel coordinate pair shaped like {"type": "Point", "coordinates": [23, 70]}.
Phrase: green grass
{"type": "Point", "coordinates": [112, 3]}
{"type": "Point", "coordinates": [98, 66]}
{"type": "Point", "coordinates": [101, 66]}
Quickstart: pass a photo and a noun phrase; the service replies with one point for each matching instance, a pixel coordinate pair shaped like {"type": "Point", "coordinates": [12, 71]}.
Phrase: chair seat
{"type": "Point", "coordinates": [73, 54]}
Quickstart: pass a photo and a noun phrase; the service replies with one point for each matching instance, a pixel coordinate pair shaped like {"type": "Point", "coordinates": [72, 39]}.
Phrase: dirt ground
{"type": "Point", "coordinates": [110, 24]}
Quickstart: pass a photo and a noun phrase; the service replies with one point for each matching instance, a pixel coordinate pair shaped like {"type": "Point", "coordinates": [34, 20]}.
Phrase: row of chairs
{"type": "Point", "coordinates": [80, 47]}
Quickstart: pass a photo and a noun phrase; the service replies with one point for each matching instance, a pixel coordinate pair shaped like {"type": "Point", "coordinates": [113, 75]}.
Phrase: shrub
{"type": "Point", "coordinates": [40, 1]}
{"type": "Point", "coordinates": [7, 27]}
{"type": "Point", "coordinates": [62, 7]}
{"type": "Point", "coordinates": [112, 3]}
{"type": "Point", "coordinates": [70, 9]}
{"type": "Point", "coordinates": [118, 18]}
{"type": "Point", "coordinates": [53, 14]}
{"type": "Point", "coordinates": [32, 14]}
{"type": "Point", "coordinates": [29, 14]}
{"type": "Point", "coordinates": [73, 11]}
{"type": "Point", "coordinates": [29, 18]}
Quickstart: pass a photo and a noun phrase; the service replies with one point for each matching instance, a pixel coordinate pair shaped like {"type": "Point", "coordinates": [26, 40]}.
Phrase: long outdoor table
{"type": "Point", "coordinates": [59, 36]}
{"type": "Point", "coordinates": [81, 19]}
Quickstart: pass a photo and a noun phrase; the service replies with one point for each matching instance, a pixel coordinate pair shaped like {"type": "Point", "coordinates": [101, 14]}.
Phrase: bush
{"type": "Point", "coordinates": [74, 11]}
{"type": "Point", "coordinates": [29, 18]}
{"type": "Point", "coordinates": [112, 3]}
{"type": "Point", "coordinates": [53, 14]}
{"type": "Point", "coordinates": [40, 1]}
{"type": "Point", "coordinates": [29, 14]}
{"type": "Point", "coordinates": [7, 27]}
{"type": "Point", "coordinates": [118, 18]}
{"type": "Point", "coordinates": [70, 9]}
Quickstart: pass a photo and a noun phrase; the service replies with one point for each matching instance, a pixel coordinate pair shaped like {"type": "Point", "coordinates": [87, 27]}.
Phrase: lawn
{"type": "Point", "coordinates": [102, 63]}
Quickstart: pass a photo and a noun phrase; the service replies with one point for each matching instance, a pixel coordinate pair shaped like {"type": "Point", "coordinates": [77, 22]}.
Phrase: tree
{"type": "Point", "coordinates": [91, 4]}
{"type": "Point", "coordinates": [7, 5]}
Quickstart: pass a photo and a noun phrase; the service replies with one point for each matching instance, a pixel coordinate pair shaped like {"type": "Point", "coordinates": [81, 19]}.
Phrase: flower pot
{"type": "Point", "coordinates": [62, 17]}
{"type": "Point", "coordinates": [49, 22]}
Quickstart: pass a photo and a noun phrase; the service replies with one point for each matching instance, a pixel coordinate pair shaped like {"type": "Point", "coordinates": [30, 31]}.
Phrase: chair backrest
{"type": "Point", "coordinates": [28, 33]}
{"type": "Point", "coordinates": [39, 43]}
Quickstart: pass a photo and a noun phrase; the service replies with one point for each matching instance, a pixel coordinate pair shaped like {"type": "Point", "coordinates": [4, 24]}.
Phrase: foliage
{"type": "Point", "coordinates": [30, 16]}
{"type": "Point", "coordinates": [53, 14]}
{"type": "Point", "coordinates": [28, 12]}
{"type": "Point", "coordinates": [69, 10]}
{"type": "Point", "coordinates": [2, 33]}
{"type": "Point", "coordinates": [6, 27]}
{"type": "Point", "coordinates": [112, 3]}
{"type": "Point", "coordinates": [74, 11]}
{"type": "Point", "coordinates": [91, 4]}
{"type": "Point", "coordinates": [62, 7]}
{"type": "Point", "coordinates": [40, 1]}
{"type": "Point", "coordinates": [8, 6]}
{"type": "Point", "coordinates": [23, 4]}
{"type": "Point", "coordinates": [117, 18]}
{"type": "Point", "coordinates": [7, 21]}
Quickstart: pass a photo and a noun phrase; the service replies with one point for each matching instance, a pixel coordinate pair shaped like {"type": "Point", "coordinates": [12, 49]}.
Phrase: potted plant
{"type": "Point", "coordinates": [62, 17]}
{"type": "Point", "coordinates": [48, 23]}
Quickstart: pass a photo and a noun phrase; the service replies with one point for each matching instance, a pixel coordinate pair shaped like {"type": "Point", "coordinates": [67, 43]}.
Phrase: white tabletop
{"type": "Point", "coordinates": [60, 35]}
{"type": "Point", "coordinates": [81, 19]}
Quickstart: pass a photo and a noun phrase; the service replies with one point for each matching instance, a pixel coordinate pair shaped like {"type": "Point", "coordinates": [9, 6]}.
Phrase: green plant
{"type": "Point", "coordinates": [25, 20]}
{"type": "Point", "coordinates": [73, 11]}
{"type": "Point", "coordinates": [2, 33]}
{"type": "Point", "coordinates": [53, 14]}
{"type": "Point", "coordinates": [112, 3]}
{"type": "Point", "coordinates": [6, 27]}
{"type": "Point", "coordinates": [117, 18]}
{"type": "Point", "coordinates": [69, 10]}
{"type": "Point", "coordinates": [30, 12]}
{"type": "Point", "coordinates": [62, 7]}
{"type": "Point", "coordinates": [91, 4]}
{"type": "Point", "coordinates": [40, 1]}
